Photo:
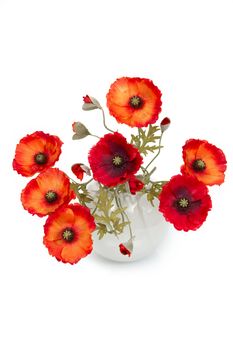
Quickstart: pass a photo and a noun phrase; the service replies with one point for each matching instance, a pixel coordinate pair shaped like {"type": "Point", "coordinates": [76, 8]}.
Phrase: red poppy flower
{"type": "Point", "coordinates": [184, 201]}
{"type": "Point", "coordinates": [135, 185]}
{"type": "Point", "coordinates": [36, 152]}
{"type": "Point", "coordinates": [134, 101]}
{"type": "Point", "coordinates": [47, 192]}
{"type": "Point", "coordinates": [113, 161]}
{"type": "Point", "coordinates": [204, 161]}
{"type": "Point", "coordinates": [80, 169]}
{"type": "Point", "coordinates": [68, 233]}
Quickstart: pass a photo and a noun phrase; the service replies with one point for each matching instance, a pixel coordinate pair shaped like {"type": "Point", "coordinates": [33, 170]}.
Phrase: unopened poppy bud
{"type": "Point", "coordinates": [165, 123]}
{"type": "Point", "coordinates": [135, 184]}
{"type": "Point", "coordinates": [90, 103]}
{"type": "Point", "coordinates": [80, 131]}
{"type": "Point", "coordinates": [126, 248]}
{"type": "Point", "coordinates": [80, 169]}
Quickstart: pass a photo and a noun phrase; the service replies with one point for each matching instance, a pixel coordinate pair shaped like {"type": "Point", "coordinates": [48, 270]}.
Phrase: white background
{"type": "Point", "coordinates": [52, 52]}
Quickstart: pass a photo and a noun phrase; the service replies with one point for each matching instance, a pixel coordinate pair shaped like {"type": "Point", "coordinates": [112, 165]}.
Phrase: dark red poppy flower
{"type": "Point", "coordinates": [134, 101]}
{"type": "Point", "coordinates": [204, 161]}
{"type": "Point", "coordinates": [79, 170]}
{"type": "Point", "coordinates": [36, 152]}
{"type": "Point", "coordinates": [68, 233]}
{"type": "Point", "coordinates": [135, 185]}
{"type": "Point", "coordinates": [47, 192]}
{"type": "Point", "coordinates": [113, 161]}
{"type": "Point", "coordinates": [184, 201]}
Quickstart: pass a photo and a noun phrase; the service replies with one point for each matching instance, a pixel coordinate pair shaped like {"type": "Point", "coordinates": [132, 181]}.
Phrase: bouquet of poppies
{"type": "Point", "coordinates": [116, 166]}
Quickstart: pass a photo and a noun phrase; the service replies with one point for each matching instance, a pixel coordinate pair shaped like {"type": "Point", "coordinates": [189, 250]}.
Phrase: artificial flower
{"type": "Point", "coordinates": [90, 103]}
{"type": "Point", "coordinates": [86, 99]}
{"type": "Point", "coordinates": [134, 101]}
{"type": "Point", "coordinates": [204, 161]}
{"type": "Point", "coordinates": [113, 161]}
{"type": "Point", "coordinates": [80, 169]}
{"type": "Point", "coordinates": [135, 185]}
{"type": "Point", "coordinates": [124, 250]}
{"type": "Point", "coordinates": [47, 192]}
{"type": "Point", "coordinates": [184, 201]}
{"type": "Point", "coordinates": [36, 152]}
{"type": "Point", "coordinates": [68, 233]}
{"type": "Point", "coordinates": [80, 131]}
{"type": "Point", "coordinates": [165, 123]}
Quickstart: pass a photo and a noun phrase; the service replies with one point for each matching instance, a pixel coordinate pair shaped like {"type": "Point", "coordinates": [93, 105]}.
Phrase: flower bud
{"type": "Point", "coordinates": [127, 247]}
{"type": "Point", "coordinates": [165, 123]}
{"type": "Point", "coordinates": [135, 185]}
{"type": "Point", "coordinates": [80, 131]}
{"type": "Point", "coordinates": [80, 169]}
{"type": "Point", "coordinates": [90, 103]}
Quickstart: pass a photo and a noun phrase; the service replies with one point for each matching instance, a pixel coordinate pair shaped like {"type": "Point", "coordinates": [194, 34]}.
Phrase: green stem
{"type": "Point", "coordinates": [118, 204]}
{"type": "Point", "coordinates": [159, 150]}
{"type": "Point", "coordinates": [86, 183]}
{"type": "Point", "coordinates": [76, 183]}
{"type": "Point", "coordinates": [127, 218]}
{"type": "Point", "coordinates": [95, 136]}
{"type": "Point", "coordinates": [105, 121]}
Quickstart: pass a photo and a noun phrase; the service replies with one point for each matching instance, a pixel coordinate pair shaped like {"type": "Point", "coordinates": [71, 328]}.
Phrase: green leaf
{"type": "Point", "coordinates": [146, 140]}
{"type": "Point", "coordinates": [155, 191]}
{"type": "Point", "coordinates": [101, 230]}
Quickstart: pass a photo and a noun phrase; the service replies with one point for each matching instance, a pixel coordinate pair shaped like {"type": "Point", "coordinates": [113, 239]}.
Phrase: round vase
{"type": "Point", "coordinates": [148, 228]}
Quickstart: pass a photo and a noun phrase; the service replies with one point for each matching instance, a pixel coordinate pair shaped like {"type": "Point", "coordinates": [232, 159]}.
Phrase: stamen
{"type": "Point", "coordinates": [198, 165]}
{"type": "Point", "coordinates": [117, 161]}
{"type": "Point", "coordinates": [136, 102]}
{"type": "Point", "coordinates": [183, 203]}
{"type": "Point", "coordinates": [41, 158]}
{"type": "Point", "coordinates": [51, 196]}
{"type": "Point", "coordinates": [68, 234]}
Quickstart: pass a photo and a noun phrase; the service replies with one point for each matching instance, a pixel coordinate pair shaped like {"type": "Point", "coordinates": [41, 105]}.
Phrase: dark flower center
{"type": "Point", "coordinates": [41, 158]}
{"type": "Point", "coordinates": [51, 196]}
{"type": "Point", "coordinates": [198, 165]}
{"type": "Point", "coordinates": [117, 161]}
{"type": "Point", "coordinates": [182, 204]}
{"type": "Point", "coordinates": [135, 102]}
{"type": "Point", "coordinates": [68, 234]}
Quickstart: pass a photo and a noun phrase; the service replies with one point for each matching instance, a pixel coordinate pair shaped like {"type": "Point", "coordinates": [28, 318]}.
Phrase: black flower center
{"type": "Point", "coordinates": [182, 204]}
{"type": "Point", "coordinates": [51, 196]}
{"type": "Point", "coordinates": [41, 158]}
{"type": "Point", "coordinates": [117, 161]}
{"type": "Point", "coordinates": [198, 165]}
{"type": "Point", "coordinates": [68, 234]}
{"type": "Point", "coordinates": [135, 102]}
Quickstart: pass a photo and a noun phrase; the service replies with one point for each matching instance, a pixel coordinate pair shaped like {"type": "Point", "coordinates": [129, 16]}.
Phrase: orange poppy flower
{"type": "Point", "coordinates": [47, 192]}
{"type": "Point", "coordinates": [36, 152]}
{"type": "Point", "coordinates": [134, 101]}
{"type": "Point", "coordinates": [68, 233]}
{"type": "Point", "coordinates": [204, 161]}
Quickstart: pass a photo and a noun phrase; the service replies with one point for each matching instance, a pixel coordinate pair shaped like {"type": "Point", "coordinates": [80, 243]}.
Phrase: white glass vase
{"type": "Point", "coordinates": [148, 226]}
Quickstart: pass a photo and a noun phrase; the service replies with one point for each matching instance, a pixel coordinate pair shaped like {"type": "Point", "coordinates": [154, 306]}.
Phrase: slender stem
{"type": "Point", "coordinates": [86, 183]}
{"type": "Point", "coordinates": [118, 204]}
{"type": "Point", "coordinates": [105, 121]}
{"type": "Point", "coordinates": [126, 215]}
{"type": "Point", "coordinates": [94, 210]}
{"type": "Point", "coordinates": [159, 150]}
{"type": "Point", "coordinates": [95, 136]}
{"type": "Point", "coordinates": [76, 183]}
